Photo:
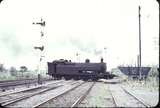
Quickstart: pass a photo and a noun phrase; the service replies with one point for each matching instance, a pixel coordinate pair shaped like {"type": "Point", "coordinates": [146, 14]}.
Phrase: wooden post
{"type": "Point", "coordinates": [39, 79]}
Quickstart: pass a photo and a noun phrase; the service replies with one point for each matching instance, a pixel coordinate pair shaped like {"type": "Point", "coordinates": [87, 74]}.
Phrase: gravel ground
{"type": "Point", "coordinates": [123, 99]}
{"type": "Point", "coordinates": [68, 99]}
{"type": "Point", "coordinates": [32, 101]}
{"type": "Point", "coordinates": [99, 96]}
{"type": "Point", "coordinates": [147, 86]}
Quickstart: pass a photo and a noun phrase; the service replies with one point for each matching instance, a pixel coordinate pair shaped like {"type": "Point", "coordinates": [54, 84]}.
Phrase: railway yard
{"type": "Point", "coordinates": [79, 53]}
{"type": "Point", "coordinates": [74, 93]}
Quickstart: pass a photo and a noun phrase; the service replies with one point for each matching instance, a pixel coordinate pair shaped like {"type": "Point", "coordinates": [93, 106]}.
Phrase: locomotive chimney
{"type": "Point", "coordinates": [101, 60]}
{"type": "Point", "coordinates": [87, 61]}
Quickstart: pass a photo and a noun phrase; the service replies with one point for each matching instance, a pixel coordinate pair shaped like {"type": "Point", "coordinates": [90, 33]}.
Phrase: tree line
{"type": "Point", "coordinates": [13, 71]}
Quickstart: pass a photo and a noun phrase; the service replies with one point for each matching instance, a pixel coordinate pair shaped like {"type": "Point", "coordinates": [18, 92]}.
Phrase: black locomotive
{"type": "Point", "coordinates": [71, 70]}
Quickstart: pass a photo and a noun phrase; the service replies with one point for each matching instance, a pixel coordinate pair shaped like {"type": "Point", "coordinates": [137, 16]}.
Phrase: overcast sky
{"type": "Point", "coordinates": [85, 27]}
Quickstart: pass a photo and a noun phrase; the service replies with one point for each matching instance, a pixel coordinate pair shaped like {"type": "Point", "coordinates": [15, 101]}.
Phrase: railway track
{"type": "Point", "coordinates": [4, 81]}
{"type": "Point", "coordinates": [99, 96]}
{"type": "Point", "coordinates": [27, 94]}
{"type": "Point", "coordinates": [28, 89]}
{"type": "Point", "coordinates": [79, 100]}
{"type": "Point", "coordinates": [73, 95]}
{"type": "Point", "coordinates": [140, 101]}
{"type": "Point", "coordinates": [5, 85]}
{"type": "Point", "coordinates": [66, 97]}
{"type": "Point", "coordinates": [113, 97]}
{"type": "Point", "coordinates": [124, 98]}
{"type": "Point", "coordinates": [59, 95]}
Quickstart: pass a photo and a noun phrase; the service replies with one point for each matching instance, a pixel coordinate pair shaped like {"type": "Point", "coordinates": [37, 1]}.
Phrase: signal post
{"type": "Point", "coordinates": [41, 48]}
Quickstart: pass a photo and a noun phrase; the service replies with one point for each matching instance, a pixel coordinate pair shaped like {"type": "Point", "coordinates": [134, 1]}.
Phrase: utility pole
{"type": "Point", "coordinates": [140, 74]}
{"type": "Point", "coordinates": [78, 57]}
{"type": "Point", "coordinates": [105, 54]}
{"type": "Point", "coordinates": [41, 48]}
{"type": "Point", "coordinates": [138, 60]}
{"type": "Point", "coordinates": [156, 43]}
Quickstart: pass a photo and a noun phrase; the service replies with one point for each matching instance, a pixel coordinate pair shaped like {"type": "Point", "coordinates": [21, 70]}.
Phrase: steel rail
{"type": "Point", "coordinates": [4, 81]}
{"type": "Point", "coordinates": [115, 103]}
{"type": "Point", "coordinates": [143, 103]}
{"type": "Point", "coordinates": [12, 101]}
{"type": "Point", "coordinates": [19, 82]}
{"type": "Point", "coordinates": [79, 100]}
{"type": "Point", "coordinates": [10, 84]}
{"type": "Point", "coordinates": [38, 105]}
{"type": "Point", "coordinates": [29, 89]}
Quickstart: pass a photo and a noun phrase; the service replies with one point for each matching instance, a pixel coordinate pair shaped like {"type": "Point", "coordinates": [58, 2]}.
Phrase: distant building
{"type": "Point", "coordinates": [134, 71]}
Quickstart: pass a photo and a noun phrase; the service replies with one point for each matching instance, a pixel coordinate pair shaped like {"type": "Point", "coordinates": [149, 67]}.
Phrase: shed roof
{"type": "Point", "coordinates": [134, 70]}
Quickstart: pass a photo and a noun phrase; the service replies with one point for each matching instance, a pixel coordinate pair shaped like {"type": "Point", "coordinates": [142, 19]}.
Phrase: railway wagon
{"type": "Point", "coordinates": [68, 70]}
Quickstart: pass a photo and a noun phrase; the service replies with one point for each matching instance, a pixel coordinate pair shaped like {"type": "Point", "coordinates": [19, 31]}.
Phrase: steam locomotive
{"type": "Point", "coordinates": [72, 70]}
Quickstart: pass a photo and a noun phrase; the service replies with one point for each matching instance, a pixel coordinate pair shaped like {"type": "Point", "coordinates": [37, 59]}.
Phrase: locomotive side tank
{"type": "Point", "coordinates": [68, 70]}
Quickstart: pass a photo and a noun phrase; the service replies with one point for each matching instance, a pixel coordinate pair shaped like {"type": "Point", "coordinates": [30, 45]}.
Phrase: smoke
{"type": "Point", "coordinates": [98, 52]}
{"type": "Point", "coordinates": [12, 45]}
{"type": "Point", "coordinates": [87, 46]}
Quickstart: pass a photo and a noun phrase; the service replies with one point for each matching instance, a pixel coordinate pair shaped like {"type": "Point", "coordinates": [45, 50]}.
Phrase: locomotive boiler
{"type": "Point", "coordinates": [72, 70]}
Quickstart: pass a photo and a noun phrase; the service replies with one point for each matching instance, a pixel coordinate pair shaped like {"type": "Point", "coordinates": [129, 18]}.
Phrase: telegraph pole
{"type": "Point", "coordinates": [41, 48]}
{"type": "Point", "coordinates": [140, 74]}
{"type": "Point", "coordinates": [105, 55]}
{"type": "Point", "coordinates": [78, 58]}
